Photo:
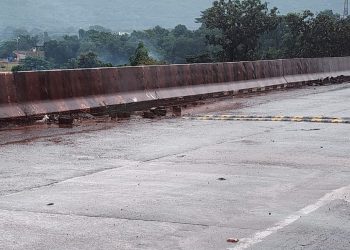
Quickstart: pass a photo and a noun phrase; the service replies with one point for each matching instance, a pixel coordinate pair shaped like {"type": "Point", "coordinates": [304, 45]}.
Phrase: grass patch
{"type": "Point", "coordinates": [6, 67]}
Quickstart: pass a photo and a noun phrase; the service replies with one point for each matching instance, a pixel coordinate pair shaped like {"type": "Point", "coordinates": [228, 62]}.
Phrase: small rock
{"type": "Point", "coordinates": [221, 179]}
{"type": "Point", "coordinates": [53, 118]}
{"type": "Point", "coordinates": [159, 111]}
{"type": "Point", "coordinates": [232, 240]}
{"type": "Point", "coordinates": [177, 110]}
{"type": "Point", "coordinates": [85, 116]}
{"type": "Point", "coordinates": [123, 115]}
{"type": "Point", "coordinates": [50, 204]}
{"type": "Point", "coordinates": [44, 120]}
{"type": "Point", "coordinates": [65, 120]}
{"type": "Point", "coordinates": [148, 115]}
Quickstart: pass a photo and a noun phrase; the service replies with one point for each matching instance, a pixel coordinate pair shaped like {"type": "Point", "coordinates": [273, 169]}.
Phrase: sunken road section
{"type": "Point", "coordinates": [111, 90]}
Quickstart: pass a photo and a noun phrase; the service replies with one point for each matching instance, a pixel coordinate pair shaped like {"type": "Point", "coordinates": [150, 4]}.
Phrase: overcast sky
{"type": "Point", "coordinates": [124, 14]}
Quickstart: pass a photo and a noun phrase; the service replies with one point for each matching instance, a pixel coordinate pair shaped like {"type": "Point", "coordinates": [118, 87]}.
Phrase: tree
{"type": "Point", "coordinates": [180, 30]}
{"type": "Point", "coordinates": [240, 24]}
{"type": "Point", "coordinates": [344, 36]}
{"type": "Point", "coordinates": [7, 48]}
{"type": "Point", "coordinates": [141, 57]}
{"type": "Point", "coordinates": [112, 47]}
{"type": "Point", "coordinates": [31, 64]}
{"type": "Point", "coordinates": [99, 28]}
{"type": "Point", "coordinates": [27, 42]}
{"type": "Point", "coordinates": [294, 37]}
{"type": "Point", "coordinates": [59, 52]}
{"type": "Point", "coordinates": [82, 34]}
{"type": "Point", "coordinates": [22, 42]}
{"type": "Point", "coordinates": [324, 35]}
{"type": "Point", "coordinates": [87, 60]}
{"type": "Point", "coordinates": [321, 40]}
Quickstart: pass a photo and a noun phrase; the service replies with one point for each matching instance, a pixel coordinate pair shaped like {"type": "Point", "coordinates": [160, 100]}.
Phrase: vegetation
{"type": "Point", "coordinates": [88, 60]}
{"type": "Point", "coordinates": [321, 36]}
{"type": "Point", "coordinates": [22, 42]}
{"type": "Point", "coordinates": [239, 25]}
{"type": "Point", "coordinates": [230, 30]}
{"type": "Point", "coordinates": [32, 63]}
{"type": "Point", "coordinates": [6, 67]}
{"type": "Point", "coordinates": [141, 57]}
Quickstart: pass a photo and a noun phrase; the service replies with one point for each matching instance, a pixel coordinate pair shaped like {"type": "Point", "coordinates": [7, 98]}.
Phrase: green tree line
{"type": "Point", "coordinates": [231, 30]}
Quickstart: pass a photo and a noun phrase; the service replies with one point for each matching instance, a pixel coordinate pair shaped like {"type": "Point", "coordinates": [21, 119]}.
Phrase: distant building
{"type": "Point", "coordinates": [121, 33]}
{"type": "Point", "coordinates": [20, 55]}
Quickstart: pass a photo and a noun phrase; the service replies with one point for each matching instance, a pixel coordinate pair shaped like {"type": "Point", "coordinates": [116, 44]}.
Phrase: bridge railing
{"type": "Point", "coordinates": [25, 94]}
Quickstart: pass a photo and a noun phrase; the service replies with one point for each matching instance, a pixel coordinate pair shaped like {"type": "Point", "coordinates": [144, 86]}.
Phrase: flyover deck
{"type": "Point", "coordinates": [184, 184]}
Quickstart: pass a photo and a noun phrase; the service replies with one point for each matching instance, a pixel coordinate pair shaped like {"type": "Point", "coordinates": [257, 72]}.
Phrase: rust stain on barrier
{"type": "Point", "coordinates": [26, 94]}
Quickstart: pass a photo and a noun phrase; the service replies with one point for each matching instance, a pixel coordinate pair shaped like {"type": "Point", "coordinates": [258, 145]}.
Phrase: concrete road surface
{"type": "Point", "coordinates": [184, 184]}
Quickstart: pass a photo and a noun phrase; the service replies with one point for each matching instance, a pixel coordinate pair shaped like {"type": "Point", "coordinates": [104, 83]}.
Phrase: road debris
{"type": "Point", "coordinates": [44, 120]}
{"type": "Point", "coordinates": [232, 240]}
{"type": "Point", "coordinates": [123, 115]}
{"type": "Point", "coordinates": [177, 110]}
{"type": "Point", "coordinates": [159, 111]}
{"type": "Point", "coordinates": [148, 115]}
{"type": "Point", "coordinates": [65, 120]}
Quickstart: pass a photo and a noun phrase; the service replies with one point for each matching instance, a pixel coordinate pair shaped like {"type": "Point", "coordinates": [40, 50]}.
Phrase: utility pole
{"type": "Point", "coordinates": [346, 8]}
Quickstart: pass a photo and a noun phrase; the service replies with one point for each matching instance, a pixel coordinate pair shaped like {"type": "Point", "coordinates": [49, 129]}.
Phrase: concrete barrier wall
{"type": "Point", "coordinates": [35, 93]}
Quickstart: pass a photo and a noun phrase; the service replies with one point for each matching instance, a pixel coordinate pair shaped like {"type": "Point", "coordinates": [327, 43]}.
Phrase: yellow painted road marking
{"type": "Point", "coordinates": [297, 119]}
{"type": "Point", "coordinates": [226, 116]}
{"type": "Point", "coordinates": [338, 120]}
{"type": "Point", "coordinates": [278, 118]}
{"type": "Point", "coordinates": [317, 119]}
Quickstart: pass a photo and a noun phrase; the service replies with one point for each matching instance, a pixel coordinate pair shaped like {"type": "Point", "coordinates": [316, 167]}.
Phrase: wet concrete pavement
{"type": "Point", "coordinates": [184, 184]}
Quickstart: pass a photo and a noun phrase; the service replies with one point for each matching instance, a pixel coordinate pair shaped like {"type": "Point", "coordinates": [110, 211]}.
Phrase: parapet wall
{"type": "Point", "coordinates": [25, 94]}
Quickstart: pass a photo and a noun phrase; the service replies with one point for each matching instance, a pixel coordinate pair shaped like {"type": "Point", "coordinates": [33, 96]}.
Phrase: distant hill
{"type": "Point", "coordinates": [124, 15]}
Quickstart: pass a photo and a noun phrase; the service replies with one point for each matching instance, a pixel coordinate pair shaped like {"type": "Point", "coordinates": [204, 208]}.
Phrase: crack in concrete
{"type": "Point", "coordinates": [59, 181]}
{"type": "Point", "coordinates": [203, 146]}
{"type": "Point", "coordinates": [144, 161]}
{"type": "Point", "coordinates": [123, 218]}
